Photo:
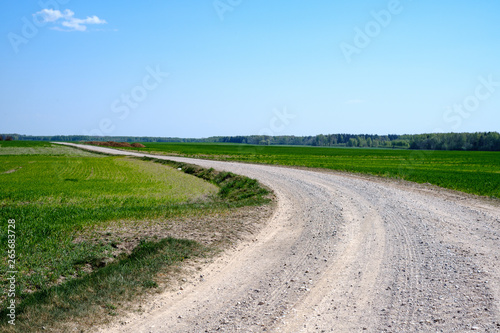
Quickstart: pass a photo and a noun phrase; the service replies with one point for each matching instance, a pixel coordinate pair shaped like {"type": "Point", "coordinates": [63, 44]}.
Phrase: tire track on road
{"type": "Point", "coordinates": [341, 299]}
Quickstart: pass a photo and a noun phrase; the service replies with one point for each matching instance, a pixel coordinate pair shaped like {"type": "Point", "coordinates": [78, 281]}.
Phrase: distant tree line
{"type": "Point", "coordinates": [455, 141]}
{"type": "Point", "coordinates": [489, 141]}
{"type": "Point", "coordinates": [484, 141]}
{"type": "Point", "coordinates": [6, 138]}
{"type": "Point", "coordinates": [84, 138]}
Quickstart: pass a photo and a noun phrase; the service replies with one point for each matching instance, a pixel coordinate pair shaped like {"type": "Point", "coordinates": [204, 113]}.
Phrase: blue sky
{"type": "Point", "coordinates": [238, 67]}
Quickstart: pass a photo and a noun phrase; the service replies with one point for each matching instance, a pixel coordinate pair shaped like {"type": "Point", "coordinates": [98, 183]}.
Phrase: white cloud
{"type": "Point", "coordinates": [66, 19]}
{"type": "Point", "coordinates": [80, 24]}
{"type": "Point", "coordinates": [51, 15]}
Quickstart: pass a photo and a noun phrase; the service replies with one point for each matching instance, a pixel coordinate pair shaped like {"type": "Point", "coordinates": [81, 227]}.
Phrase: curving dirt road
{"type": "Point", "coordinates": [345, 253]}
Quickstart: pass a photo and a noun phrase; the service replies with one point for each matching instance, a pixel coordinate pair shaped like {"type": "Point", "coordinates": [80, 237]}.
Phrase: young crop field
{"type": "Point", "coordinates": [38, 148]}
{"type": "Point", "coordinates": [468, 171]}
{"type": "Point", "coordinates": [61, 199]}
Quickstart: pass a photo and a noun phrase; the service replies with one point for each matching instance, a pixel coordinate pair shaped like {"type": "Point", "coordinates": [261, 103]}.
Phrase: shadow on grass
{"type": "Point", "coordinates": [101, 290]}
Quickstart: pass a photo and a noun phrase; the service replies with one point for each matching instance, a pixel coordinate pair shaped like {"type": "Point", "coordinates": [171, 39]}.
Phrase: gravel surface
{"type": "Point", "coordinates": [344, 253]}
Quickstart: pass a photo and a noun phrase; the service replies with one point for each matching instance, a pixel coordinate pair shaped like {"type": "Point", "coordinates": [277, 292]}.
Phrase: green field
{"type": "Point", "coordinates": [38, 148]}
{"type": "Point", "coordinates": [70, 207]}
{"type": "Point", "coordinates": [468, 171]}
{"type": "Point", "coordinates": [53, 197]}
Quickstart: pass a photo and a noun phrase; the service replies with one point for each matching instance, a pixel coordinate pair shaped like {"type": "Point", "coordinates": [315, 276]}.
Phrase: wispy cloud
{"type": "Point", "coordinates": [354, 101]}
{"type": "Point", "coordinates": [65, 21]}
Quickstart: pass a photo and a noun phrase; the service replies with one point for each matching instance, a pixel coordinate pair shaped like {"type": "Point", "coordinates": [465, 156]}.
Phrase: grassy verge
{"type": "Point", "coordinates": [235, 190]}
{"type": "Point", "coordinates": [94, 231]}
{"type": "Point", "coordinates": [468, 171]}
{"type": "Point", "coordinates": [103, 291]}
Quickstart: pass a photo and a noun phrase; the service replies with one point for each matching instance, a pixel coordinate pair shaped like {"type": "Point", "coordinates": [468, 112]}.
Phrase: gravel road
{"type": "Point", "coordinates": [344, 253]}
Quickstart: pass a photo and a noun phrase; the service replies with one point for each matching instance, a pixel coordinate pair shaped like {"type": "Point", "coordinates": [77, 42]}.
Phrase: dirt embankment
{"type": "Point", "coordinates": [115, 144]}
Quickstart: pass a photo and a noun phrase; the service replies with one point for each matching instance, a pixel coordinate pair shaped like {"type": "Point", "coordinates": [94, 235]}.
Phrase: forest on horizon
{"type": "Point", "coordinates": [479, 141]}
